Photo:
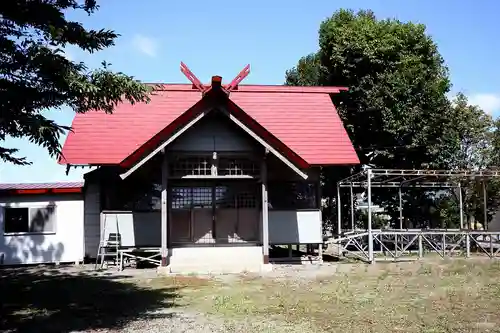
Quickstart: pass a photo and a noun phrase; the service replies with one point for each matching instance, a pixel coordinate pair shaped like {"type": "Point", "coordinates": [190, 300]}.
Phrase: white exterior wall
{"type": "Point", "coordinates": [295, 227]}
{"type": "Point", "coordinates": [136, 229]}
{"type": "Point", "coordinates": [63, 245]}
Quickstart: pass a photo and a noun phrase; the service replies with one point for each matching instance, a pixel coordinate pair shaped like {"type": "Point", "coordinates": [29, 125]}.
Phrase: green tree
{"type": "Point", "coordinates": [396, 111]}
{"type": "Point", "coordinates": [495, 144]}
{"type": "Point", "coordinates": [35, 75]}
{"type": "Point", "coordinates": [397, 84]}
{"type": "Point", "coordinates": [477, 136]}
{"type": "Point", "coordinates": [473, 130]}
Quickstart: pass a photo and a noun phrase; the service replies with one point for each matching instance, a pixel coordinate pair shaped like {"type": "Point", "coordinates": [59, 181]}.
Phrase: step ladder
{"type": "Point", "coordinates": [109, 244]}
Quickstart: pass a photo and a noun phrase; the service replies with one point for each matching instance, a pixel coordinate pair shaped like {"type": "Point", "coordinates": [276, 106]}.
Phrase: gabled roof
{"type": "Point", "coordinates": [215, 99]}
{"type": "Point", "coordinates": [302, 118]}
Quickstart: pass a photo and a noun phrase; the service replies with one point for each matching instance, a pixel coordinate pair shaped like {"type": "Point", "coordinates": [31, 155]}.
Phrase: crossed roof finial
{"type": "Point", "coordinates": [203, 88]}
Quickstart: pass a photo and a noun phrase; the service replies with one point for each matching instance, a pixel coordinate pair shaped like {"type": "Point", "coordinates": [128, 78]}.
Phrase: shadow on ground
{"type": "Point", "coordinates": [278, 252]}
{"type": "Point", "coordinates": [46, 300]}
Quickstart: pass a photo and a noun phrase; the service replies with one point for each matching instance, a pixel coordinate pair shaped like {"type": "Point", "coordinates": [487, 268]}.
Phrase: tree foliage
{"type": "Point", "coordinates": [396, 111]}
{"type": "Point", "coordinates": [36, 76]}
{"type": "Point", "coordinates": [397, 88]}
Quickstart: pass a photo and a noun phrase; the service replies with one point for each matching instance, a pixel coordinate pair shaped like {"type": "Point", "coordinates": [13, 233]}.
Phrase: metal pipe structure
{"type": "Point", "coordinates": [461, 206]}
{"type": "Point", "coordinates": [400, 209]}
{"type": "Point", "coordinates": [352, 209]}
{"type": "Point", "coordinates": [339, 212]}
{"type": "Point", "coordinates": [398, 184]}
{"type": "Point", "coordinates": [485, 207]}
{"type": "Point", "coordinates": [370, 234]}
{"type": "Point", "coordinates": [393, 178]}
{"type": "Point", "coordinates": [396, 243]}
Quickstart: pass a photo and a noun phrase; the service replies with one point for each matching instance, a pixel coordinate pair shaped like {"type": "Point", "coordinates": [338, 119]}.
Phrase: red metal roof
{"type": "Point", "coordinates": [37, 186]}
{"type": "Point", "coordinates": [41, 188]}
{"type": "Point", "coordinates": [302, 118]}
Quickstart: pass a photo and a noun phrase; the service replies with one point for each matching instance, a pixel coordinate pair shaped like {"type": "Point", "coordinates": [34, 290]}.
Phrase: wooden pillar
{"type": "Point", "coordinates": [164, 211]}
{"type": "Point", "coordinates": [265, 213]}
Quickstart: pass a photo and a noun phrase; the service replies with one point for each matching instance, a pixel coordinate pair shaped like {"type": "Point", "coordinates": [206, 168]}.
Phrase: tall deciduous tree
{"type": "Point", "coordinates": [397, 88]}
{"type": "Point", "coordinates": [476, 133]}
{"type": "Point", "coordinates": [35, 75]}
{"type": "Point", "coordinates": [396, 111]}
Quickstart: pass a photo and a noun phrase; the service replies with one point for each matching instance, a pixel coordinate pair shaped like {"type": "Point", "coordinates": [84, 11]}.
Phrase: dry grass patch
{"type": "Point", "coordinates": [440, 296]}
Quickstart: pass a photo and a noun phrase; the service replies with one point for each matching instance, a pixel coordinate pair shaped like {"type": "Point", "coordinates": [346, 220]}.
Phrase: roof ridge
{"type": "Point", "coordinates": [255, 88]}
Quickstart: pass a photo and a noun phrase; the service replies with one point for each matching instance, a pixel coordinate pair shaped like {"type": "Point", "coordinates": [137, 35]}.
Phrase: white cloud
{"type": "Point", "coordinates": [490, 103]}
{"type": "Point", "coordinates": [145, 44]}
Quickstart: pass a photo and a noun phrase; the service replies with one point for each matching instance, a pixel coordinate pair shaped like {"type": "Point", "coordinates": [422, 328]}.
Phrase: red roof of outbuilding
{"type": "Point", "coordinates": [36, 186]}
{"type": "Point", "coordinates": [302, 118]}
{"type": "Point", "coordinates": [41, 188]}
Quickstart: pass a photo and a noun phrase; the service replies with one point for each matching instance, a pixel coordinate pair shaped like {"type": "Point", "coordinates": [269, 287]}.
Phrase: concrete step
{"type": "Point", "coordinates": [230, 259]}
{"type": "Point", "coordinates": [220, 268]}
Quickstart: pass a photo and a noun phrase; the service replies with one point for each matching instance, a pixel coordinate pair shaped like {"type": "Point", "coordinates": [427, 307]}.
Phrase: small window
{"type": "Point", "coordinates": [16, 220]}
{"type": "Point", "coordinates": [36, 220]}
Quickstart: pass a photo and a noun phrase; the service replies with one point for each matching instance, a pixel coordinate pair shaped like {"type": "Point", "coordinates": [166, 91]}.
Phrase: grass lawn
{"type": "Point", "coordinates": [433, 296]}
{"type": "Point", "coordinates": [438, 296]}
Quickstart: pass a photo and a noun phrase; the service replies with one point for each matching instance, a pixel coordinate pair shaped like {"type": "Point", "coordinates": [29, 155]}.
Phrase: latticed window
{"type": "Point", "coordinates": [189, 197]}
{"type": "Point", "coordinates": [236, 196]}
{"type": "Point", "coordinates": [191, 166]}
{"type": "Point", "coordinates": [292, 195]}
{"type": "Point", "coordinates": [237, 167]}
{"type": "Point", "coordinates": [205, 166]}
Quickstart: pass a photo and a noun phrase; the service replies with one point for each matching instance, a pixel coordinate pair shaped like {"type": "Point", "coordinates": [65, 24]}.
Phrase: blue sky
{"type": "Point", "coordinates": [220, 38]}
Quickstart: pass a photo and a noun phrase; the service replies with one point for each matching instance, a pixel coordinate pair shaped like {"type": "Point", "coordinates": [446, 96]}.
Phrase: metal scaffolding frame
{"type": "Point", "coordinates": [400, 178]}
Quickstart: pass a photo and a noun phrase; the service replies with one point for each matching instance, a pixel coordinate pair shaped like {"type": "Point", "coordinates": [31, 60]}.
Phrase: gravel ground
{"type": "Point", "coordinates": [179, 319]}
{"type": "Point", "coordinates": [185, 321]}
{"type": "Point", "coordinates": [311, 318]}
{"type": "Point", "coordinates": [191, 322]}
{"type": "Point", "coordinates": [169, 321]}
{"type": "Point", "coordinates": [306, 271]}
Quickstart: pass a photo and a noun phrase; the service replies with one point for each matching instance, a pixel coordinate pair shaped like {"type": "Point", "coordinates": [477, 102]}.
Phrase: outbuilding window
{"type": "Point", "coordinates": [29, 219]}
